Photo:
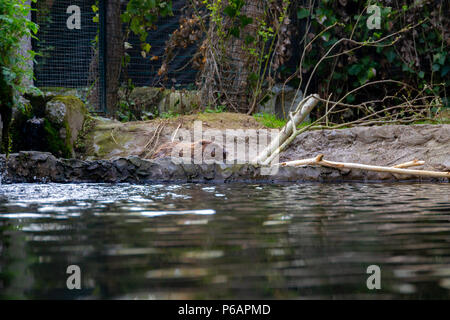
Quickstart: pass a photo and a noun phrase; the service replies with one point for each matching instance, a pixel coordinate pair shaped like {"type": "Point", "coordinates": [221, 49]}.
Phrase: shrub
{"type": "Point", "coordinates": [13, 63]}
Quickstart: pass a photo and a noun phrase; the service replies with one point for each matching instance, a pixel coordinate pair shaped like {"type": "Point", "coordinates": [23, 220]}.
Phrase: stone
{"type": "Point", "coordinates": [55, 112]}
{"type": "Point", "coordinates": [179, 101]}
{"type": "Point", "coordinates": [48, 123]}
{"type": "Point", "coordinates": [281, 105]}
{"type": "Point", "coordinates": [33, 166]}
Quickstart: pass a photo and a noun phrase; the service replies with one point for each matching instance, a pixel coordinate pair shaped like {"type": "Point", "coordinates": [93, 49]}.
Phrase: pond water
{"type": "Point", "coordinates": [235, 241]}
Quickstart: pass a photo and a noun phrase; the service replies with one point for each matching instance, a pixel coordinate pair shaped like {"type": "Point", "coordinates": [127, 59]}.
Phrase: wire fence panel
{"type": "Point", "coordinates": [71, 56]}
{"type": "Point", "coordinates": [144, 71]}
{"type": "Point", "coordinates": [76, 51]}
{"type": "Point", "coordinates": [67, 56]}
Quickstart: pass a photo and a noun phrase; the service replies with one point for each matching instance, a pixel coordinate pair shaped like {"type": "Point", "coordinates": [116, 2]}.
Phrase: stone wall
{"type": "Point", "coordinates": [43, 167]}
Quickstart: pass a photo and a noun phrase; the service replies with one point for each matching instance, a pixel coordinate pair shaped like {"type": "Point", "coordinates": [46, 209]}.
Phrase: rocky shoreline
{"type": "Point", "coordinates": [42, 167]}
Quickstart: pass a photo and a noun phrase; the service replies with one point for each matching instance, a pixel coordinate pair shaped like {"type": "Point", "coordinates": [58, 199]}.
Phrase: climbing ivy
{"type": "Point", "coordinates": [141, 17]}
{"type": "Point", "coordinates": [417, 54]}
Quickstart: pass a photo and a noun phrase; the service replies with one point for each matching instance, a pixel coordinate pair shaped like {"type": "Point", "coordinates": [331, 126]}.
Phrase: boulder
{"type": "Point", "coordinates": [66, 115]}
{"type": "Point", "coordinates": [55, 112]}
{"type": "Point", "coordinates": [179, 101]}
{"type": "Point", "coordinates": [279, 105]}
{"type": "Point", "coordinates": [50, 123]}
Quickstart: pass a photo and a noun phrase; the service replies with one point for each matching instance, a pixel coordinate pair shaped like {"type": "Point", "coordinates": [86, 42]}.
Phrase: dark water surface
{"type": "Point", "coordinates": [234, 241]}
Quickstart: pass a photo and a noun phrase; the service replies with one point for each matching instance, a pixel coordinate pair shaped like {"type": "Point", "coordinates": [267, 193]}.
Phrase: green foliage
{"type": "Point", "coordinates": [169, 115]}
{"type": "Point", "coordinates": [259, 45]}
{"type": "Point", "coordinates": [417, 54]}
{"type": "Point", "coordinates": [57, 145]}
{"type": "Point", "coordinates": [13, 63]}
{"type": "Point", "coordinates": [269, 120]}
{"type": "Point", "coordinates": [216, 109]}
{"type": "Point", "coordinates": [14, 26]}
{"type": "Point", "coordinates": [126, 105]}
{"type": "Point", "coordinates": [141, 17]}
{"type": "Point", "coordinates": [125, 113]}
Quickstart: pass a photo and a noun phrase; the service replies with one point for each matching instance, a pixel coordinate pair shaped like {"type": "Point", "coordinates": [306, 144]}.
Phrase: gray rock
{"type": "Point", "coordinates": [55, 111]}
{"type": "Point", "coordinates": [32, 166]}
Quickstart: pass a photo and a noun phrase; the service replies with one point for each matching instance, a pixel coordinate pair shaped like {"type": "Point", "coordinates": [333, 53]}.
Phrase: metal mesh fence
{"type": "Point", "coordinates": [66, 47]}
{"type": "Point", "coordinates": [144, 71]}
{"type": "Point", "coordinates": [71, 56]}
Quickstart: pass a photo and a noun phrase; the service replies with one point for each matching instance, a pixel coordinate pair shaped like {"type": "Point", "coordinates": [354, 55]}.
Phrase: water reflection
{"type": "Point", "coordinates": [225, 241]}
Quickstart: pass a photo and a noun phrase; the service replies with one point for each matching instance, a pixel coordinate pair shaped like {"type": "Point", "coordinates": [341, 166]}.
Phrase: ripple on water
{"type": "Point", "coordinates": [227, 241]}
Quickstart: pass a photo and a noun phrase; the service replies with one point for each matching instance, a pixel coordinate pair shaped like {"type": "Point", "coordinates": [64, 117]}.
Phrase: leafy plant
{"type": "Point", "coordinates": [216, 109]}
{"type": "Point", "coordinates": [411, 46]}
{"type": "Point", "coordinates": [269, 120]}
{"type": "Point", "coordinates": [169, 114]}
{"type": "Point", "coordinates": [15, 25]}
{"type": "Point", "coordinates": [141, 16]}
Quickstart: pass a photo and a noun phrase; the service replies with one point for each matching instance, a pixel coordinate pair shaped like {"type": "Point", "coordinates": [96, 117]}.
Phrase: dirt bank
{"type": "Point", "coordinates": [378, 145]}
{"type": "Point", "coordinates": [383, 145]}
{"type": "Point", "coordinates": [110, 139]}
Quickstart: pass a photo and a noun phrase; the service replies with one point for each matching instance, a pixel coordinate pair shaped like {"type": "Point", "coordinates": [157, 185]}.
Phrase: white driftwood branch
{"type": "Point", "coordinates": [347, 165]}
{"type": "Point", "coordinates": [301, 112]}
{"type": "Point", "coordinates": [413, 163]}
{"type": "Point", "coordinates": [297, 163]}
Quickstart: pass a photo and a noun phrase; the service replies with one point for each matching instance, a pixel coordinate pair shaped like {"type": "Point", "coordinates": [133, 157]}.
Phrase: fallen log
{"type": "Point", "coordinates": [288, 132]}
{"type": "Point", "coordinates": [347, 165]}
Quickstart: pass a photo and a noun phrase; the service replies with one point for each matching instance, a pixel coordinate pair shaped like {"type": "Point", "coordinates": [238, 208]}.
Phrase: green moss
{"type": "Point", "coordinates": [72, 103]}
{"type": "Point", "coordinates": [56, 145]}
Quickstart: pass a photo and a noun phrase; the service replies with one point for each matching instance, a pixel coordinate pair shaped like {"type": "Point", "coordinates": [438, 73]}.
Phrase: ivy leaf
{"type": "Point", "coordinates": [235, 32]}
{"type": "Point", "coordinates": [230, 11]}
{"type": "Point", "coordinates": [439, 58]}
{"type": "Point", "coordinates": [249, 39]}
{"type": "Point", "coordinates": [435, 67]}
{"type": "Point", "coordinates": [390, 55]}
{"type": "Point", "coordinates": [445, 70]}
{"type": "Point", "coordinates": [302, 13]}
{"type": "Point", "coordinates": [354, 69]}
{"type": "Point", "coordinates": [245, 20]}
{"type": "Point", "coordinates": [405, 67]}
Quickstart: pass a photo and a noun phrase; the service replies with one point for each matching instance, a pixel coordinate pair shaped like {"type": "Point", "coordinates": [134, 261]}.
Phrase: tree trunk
{"type": "Point", "coordinates": [224, 77]}
{"type": "Point", "coordinates": [114, 53]}
{"type": "Point", "coordinates": [243, 64]}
